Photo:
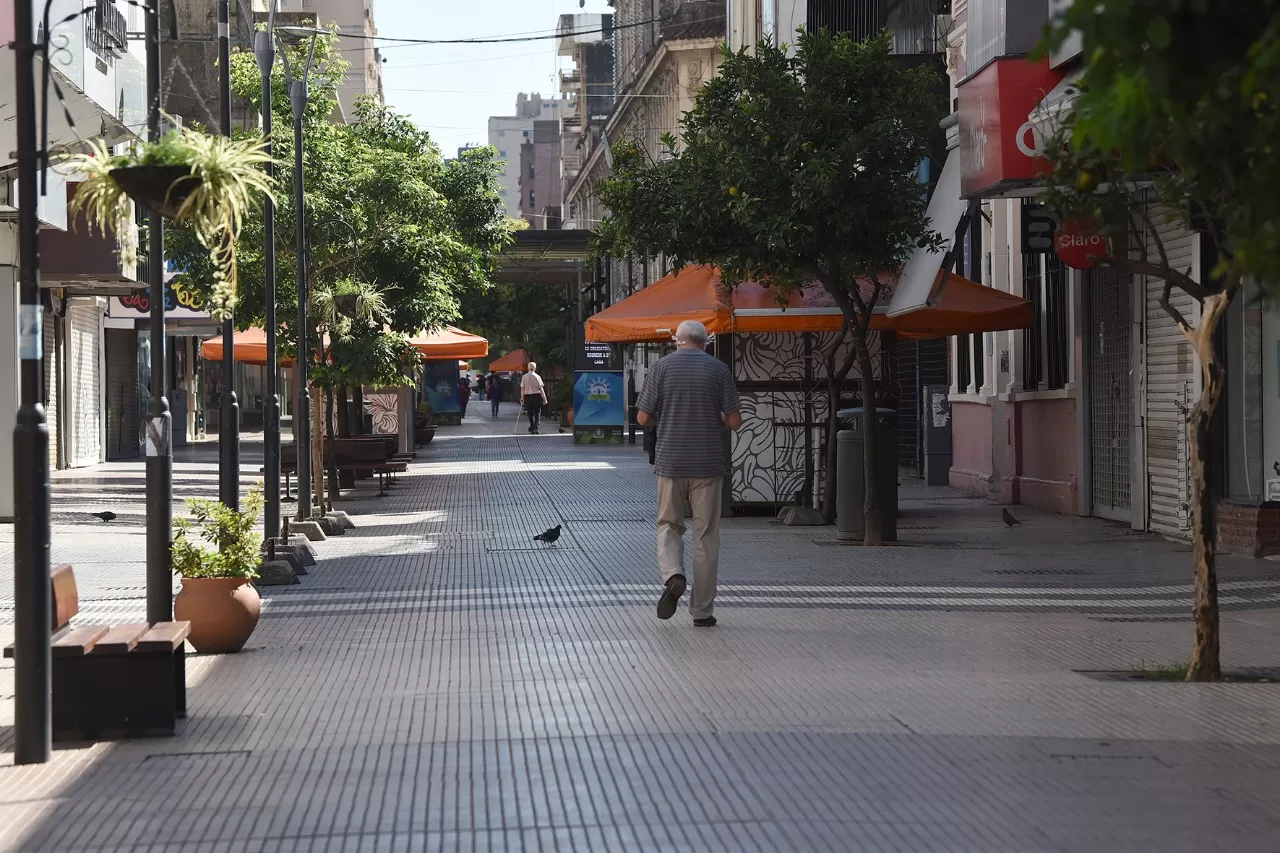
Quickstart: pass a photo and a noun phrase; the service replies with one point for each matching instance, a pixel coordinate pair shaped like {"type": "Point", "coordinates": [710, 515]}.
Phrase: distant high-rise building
{"type": "Point", "coordinates": [508, 134]}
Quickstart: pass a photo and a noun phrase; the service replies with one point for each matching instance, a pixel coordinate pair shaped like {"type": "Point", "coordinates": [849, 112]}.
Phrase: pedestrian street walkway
{"type": "Point", "coordinates": [440, 681]}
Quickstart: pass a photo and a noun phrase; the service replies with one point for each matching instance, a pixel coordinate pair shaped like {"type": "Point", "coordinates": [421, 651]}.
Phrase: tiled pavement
{"type": "Point", "coordinates": [439, 683]}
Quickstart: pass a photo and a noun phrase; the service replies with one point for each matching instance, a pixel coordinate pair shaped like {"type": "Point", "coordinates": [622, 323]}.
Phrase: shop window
{"type": "Point", "coordinates": [1253, 457]}
{"type": "Point", "coordinates": [964, 362]}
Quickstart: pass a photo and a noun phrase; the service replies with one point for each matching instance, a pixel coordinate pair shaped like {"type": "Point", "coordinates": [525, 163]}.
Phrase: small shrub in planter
{"type": "Point", "coordinates": [197, 179]}
{"type": "Point", "coordinates": [218, 597]}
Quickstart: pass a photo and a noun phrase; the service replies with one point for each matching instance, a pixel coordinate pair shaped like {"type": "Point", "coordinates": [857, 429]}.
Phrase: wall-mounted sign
{"type": "Point", "coordinates": [1079, 244]}
{"type": "Point", "coordinates": [1038, 228]}
{"type": "Point", "coordinates": [180, 303]}
{"type": "Point", "coordinates": [997, 139]}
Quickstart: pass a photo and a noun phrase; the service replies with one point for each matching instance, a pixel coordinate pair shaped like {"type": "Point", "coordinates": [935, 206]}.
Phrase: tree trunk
{"type": "Point", "coordinates": [328, 427]}
{"type": "Point", "coordinates": [873, 534]}
{"type": "Point", "coordinates": [358, 413]}
{"type": "Point", "coordinates": [317, 452]}
{"type": "Point", "coordinates": [833, 427]}
{"type": "Point", "coordinates": [344, 413]}
{"type": "Point", "coordinates": [1206, 663]}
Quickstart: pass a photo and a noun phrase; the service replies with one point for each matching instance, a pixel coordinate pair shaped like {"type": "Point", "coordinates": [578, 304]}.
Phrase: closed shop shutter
{"type": "Point", "coordinates": [122, 394]}
{"type": "Point", "coordinates": [51, 357]}
{"type": "Point", "coordinates": [1170, 387]}
{"type": "Point", "coordinates": [84, 431]}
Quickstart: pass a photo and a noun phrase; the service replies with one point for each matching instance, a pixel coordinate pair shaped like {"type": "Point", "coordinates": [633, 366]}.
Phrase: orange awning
{"type": "Point", "coordinates": [248, 347]}
{"type": "Point", "coordinates": [515, 360]}
{"type": "Point", "coordinates": [652, 314]}
{"type": "Point", "coordinates": [449, 343]}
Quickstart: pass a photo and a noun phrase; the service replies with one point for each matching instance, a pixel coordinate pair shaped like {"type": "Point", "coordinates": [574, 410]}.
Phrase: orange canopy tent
{"type": "Point", "coordinates": [449, 343]}
{"type": "Point", "coordinates": [517, 359]}
{"type": "Point", "coordinates": [248, 347]}
{"type": "Point", "coordinates": [694, 293]}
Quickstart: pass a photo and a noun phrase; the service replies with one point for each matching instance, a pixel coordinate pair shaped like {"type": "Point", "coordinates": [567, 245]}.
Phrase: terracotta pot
{"type": "Point", "coordinates": [222, 611]}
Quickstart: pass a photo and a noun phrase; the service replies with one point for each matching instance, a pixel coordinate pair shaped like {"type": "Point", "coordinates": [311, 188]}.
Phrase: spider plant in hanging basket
{"type": "Point", "coordinates": [205, 182]}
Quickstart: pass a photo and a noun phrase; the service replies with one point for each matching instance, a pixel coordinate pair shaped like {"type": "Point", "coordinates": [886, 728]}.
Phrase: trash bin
{"type": "Point", "coordinates": [851, 480]}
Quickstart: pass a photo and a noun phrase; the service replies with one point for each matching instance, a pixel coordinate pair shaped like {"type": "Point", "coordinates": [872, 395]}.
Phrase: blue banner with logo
{"type": "Point", "coordinates": [440, 383]}
{"type": "Point", "coordinates": [598, 399]}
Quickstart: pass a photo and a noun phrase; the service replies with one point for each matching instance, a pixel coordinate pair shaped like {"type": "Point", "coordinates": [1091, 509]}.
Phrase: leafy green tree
{"type": "Point", "coordinates": [791, 170]}
{"type": "Point", "coordinates": [381, 207]}
{"type": "Point", "coordinates": [1177, 109]}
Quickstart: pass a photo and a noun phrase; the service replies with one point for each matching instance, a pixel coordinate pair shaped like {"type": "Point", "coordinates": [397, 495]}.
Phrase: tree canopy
{"type": "Point", "coordinates": [381, 207]}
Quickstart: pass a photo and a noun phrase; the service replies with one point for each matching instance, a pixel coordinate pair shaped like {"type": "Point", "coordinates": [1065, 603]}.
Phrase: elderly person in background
{"type": "Point", "coordinates": [690, 398]}
{"type": "Point", "coordinates": [533, 396]}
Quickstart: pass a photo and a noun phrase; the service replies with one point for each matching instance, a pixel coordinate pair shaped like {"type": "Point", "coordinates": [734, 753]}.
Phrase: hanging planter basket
{"type": "Point", "coordinates": [160, 189]}
{"type": "Point", "coordinates": [346, 304]}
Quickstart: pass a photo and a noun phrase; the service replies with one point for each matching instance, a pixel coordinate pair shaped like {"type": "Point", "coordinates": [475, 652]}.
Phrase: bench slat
{"type": "Point", "coordinates": [121, 639]}
{"type": "Point", "coordinates": [79, 641]}
{"type": "Point", "coordinates": [164, 637]}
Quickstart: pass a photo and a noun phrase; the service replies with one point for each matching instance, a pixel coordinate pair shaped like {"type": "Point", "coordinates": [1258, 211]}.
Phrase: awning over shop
{"type": "Point", "coordinates": [515, 360]}
{"type": "Point", "coordinates": [915, 287]}
{"type": "Point", "coordinates": [248, 347]}
{"type": "Point", "coordinates": [959, 306]}
{"type": "Point", "coordinates": [449, 343]}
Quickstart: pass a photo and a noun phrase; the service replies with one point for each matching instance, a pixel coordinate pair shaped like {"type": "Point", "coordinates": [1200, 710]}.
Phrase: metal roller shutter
{"type": "Point", "coordinates": [50, 366]}
{"type": "Point", "coordinates": [1170, 387]}
{"type": "Point", "coordinates": [122, 394]}
{"type": "Point", "coordinates": [84, 432]}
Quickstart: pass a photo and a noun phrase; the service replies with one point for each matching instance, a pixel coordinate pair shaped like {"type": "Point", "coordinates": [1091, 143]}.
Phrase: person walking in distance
{"type": "Point", "coordinates": [690, 399]}
{"type": "Point", "coordinates": [464, 394]}
{"type": "Point", "coordinates": [533, 396]}
{"type": "Point", "coordinates": [495, 394]}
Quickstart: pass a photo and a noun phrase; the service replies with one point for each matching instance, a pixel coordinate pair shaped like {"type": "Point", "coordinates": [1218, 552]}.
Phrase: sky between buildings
{"type": "Point", "coordinates": [451, 90]}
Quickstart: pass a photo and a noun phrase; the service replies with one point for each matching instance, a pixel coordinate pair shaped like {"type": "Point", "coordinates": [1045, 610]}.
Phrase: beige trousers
{"type": "Point", "coordinates": [676, 497]}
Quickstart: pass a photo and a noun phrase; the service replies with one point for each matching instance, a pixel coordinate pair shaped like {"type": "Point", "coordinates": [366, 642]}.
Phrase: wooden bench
{"type": "Point", "coordinates": [110, 681]}
{"type": "Point", "coordinates": [356, 454]}
{"type": "Point", "coordinates": [288, 467]}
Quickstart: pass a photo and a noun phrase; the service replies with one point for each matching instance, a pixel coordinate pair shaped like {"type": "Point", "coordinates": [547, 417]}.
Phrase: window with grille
{"type": "Point", "coordinates": [1031, 339]}
{"type": "Point", "coordinates": [964, 363]}
{"type": "Point", "coordinates": [1057, 347]}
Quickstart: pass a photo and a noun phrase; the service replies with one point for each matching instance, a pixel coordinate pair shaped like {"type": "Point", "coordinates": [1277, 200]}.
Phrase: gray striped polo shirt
{"type": "Point", "coordinates": [688, 391]}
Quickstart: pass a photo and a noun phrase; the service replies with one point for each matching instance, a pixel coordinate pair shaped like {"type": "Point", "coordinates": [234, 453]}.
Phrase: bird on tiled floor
{"type": "Point", "coordinates": [105, 515]}
{"type": "Point", "coordinates": [1008, 518]}
{"type": "Point", "coordinates": [549, 536]}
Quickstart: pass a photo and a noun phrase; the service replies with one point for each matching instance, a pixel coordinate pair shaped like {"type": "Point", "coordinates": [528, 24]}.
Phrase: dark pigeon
{"type": "Point", "coordinates": [105, 515]}
{"type": "Point", "coordinates": [549, 536]}
{"type": "Point", "coordinates": [1008, 518]}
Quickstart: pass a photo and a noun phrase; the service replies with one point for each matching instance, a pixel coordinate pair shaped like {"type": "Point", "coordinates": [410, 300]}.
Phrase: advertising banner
{"type": "Point", "coordinates": [180, 302]}
{"type": "Point", "coordinates": [599, 407]}
{"type": "Point", "coordinates": [440, 383]}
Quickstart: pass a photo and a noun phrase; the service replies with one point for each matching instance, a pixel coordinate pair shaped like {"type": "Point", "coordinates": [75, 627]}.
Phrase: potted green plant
{"type": "Point", "coordinates": [424, 429]}
{"type": "Point", "coordinates": [196, 179]}
{"type": "Point", "coordinates": [218, 597]}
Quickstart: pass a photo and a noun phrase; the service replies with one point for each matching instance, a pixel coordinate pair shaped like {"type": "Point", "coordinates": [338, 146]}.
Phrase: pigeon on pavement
{"type": "Point", "coordinates": [548, 536]}
{"type": "Point", "coordinates": [1008, 518]}
{"type": "Point", "coordinates": [105, 515]}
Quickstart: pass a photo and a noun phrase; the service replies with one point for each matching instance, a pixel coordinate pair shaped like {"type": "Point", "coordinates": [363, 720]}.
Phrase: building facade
{"type": "Point", "coordinates": [587, 86]}
{"type": "Point", "coordinates": [508, 134]}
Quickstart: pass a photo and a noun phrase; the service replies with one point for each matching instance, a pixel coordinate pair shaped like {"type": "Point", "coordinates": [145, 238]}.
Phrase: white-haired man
{"type": "Point", "coordinates": [533, 396]}
{"type": "Point", "coordinates": [690, 398]}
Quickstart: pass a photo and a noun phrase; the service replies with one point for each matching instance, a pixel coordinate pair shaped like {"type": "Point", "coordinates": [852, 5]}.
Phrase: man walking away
{"type": "Point", "coordinates": [533, 396]}
{"type": "Point", "coordinates": [495, 394]}
{"type": "Point", "coordinates": [690, 398]}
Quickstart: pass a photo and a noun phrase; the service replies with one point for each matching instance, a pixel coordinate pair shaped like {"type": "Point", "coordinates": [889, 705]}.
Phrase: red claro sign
{"type": "Point", "coordinates": [1079, 244]}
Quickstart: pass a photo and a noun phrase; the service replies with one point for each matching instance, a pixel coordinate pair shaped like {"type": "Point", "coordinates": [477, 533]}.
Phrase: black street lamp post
{"type": "Point", "coordinates": [159, 420]}
{"type": "Point", "coordinates": [33, 665]}
{"type": "Point", "coordinates": [264, 50]}
{"type": "Point", "coordinates": [229, 434]}
{"type": "Point", "coordinates": [298, 96]}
